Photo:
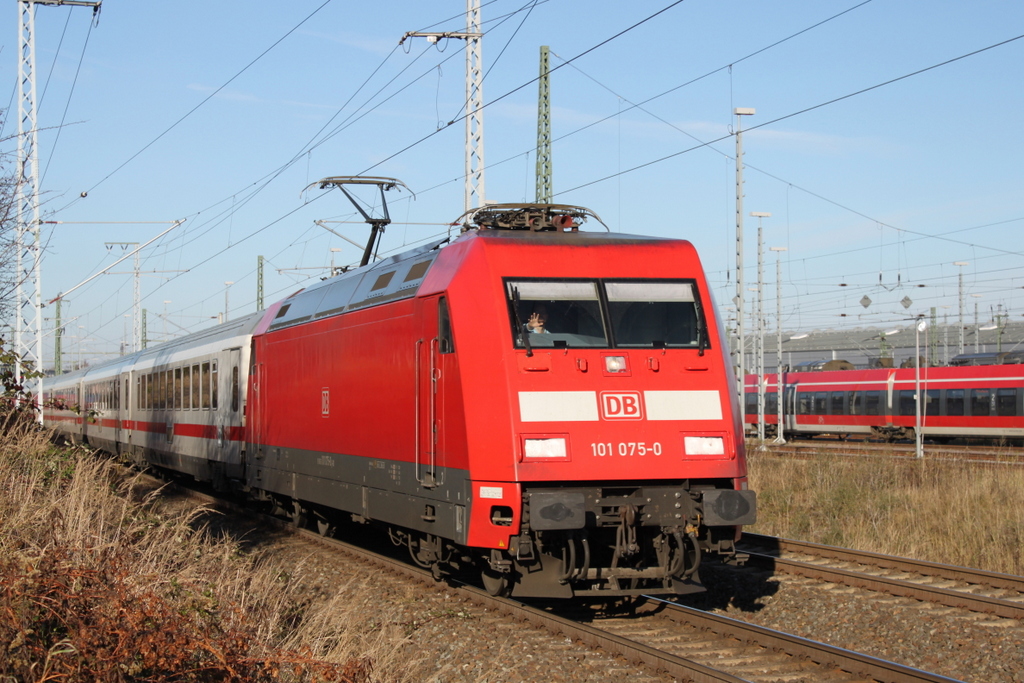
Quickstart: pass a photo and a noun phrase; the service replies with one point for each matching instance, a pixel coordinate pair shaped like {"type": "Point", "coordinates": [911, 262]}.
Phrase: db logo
{"type": "Point", "coordinates": [621, 405]}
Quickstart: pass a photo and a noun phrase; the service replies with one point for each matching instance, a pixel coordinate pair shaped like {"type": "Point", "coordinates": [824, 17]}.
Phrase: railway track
{"type": "Point", "coordinates": [982, 454]}
{"type": "Point", "coordinates": [999, 595]}
{"type": "Point", "coordinates": [660, 636]}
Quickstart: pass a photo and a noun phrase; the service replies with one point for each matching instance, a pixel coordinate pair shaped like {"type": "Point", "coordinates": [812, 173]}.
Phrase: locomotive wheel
{"type": "Point", "coordinates": [298, 515]}
{"type": "Point", "coordinates": [325, 527]}
{"type": "Point", "coordinates": [495, 583]}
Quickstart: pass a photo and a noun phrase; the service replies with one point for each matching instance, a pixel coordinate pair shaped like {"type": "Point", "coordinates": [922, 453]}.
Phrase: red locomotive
{"type": "Point", "coordinates": [551, 406]}
{"type": "Point", "coordinates": [959, 402]}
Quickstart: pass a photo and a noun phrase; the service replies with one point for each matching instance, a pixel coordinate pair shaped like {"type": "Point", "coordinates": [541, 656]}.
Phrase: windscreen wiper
{"type": "Point", "coordinates": [702, 327]}
{"type": "Point", "coordinates": [523, 332]}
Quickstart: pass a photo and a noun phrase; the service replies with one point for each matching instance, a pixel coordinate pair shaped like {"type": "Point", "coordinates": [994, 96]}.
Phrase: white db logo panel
{"type": "Point", "coordinates": [621, 405]}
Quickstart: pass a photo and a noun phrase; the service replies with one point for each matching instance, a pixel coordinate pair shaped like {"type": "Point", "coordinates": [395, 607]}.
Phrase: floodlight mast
{"type": "Point", "coordinates": [377, 225]}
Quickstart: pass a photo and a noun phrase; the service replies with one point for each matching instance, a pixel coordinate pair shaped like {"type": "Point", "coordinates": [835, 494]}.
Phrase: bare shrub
{"type": "Point", "coordinates": [97, 587]}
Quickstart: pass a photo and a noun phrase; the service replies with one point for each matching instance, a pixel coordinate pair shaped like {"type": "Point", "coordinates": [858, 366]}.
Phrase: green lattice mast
{"type": "Point", "coordinates": [544, 132]}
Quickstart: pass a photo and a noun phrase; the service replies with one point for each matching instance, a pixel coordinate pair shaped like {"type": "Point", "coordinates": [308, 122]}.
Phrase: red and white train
{"type": "Point", "coordinates": [984, 401]}
{"type": "Point", "coordinates": [600, 453]}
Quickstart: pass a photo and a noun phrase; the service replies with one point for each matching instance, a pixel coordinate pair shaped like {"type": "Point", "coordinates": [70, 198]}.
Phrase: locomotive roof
{"type": "Point", "coordinates": [400, 276]}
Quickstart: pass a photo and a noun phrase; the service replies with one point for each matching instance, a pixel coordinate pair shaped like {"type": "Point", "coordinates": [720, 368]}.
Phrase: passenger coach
{"type": "Point", "coordinates": [984, 401]}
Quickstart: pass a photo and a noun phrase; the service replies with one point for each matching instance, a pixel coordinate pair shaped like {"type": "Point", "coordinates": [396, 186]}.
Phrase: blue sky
{"type": "Point", "coordinates": [221, 113]}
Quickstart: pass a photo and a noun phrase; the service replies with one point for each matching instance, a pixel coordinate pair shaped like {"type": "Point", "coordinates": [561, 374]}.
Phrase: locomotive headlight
{"type": "Point", "coordinates": [544, 448]}
{"type": "Point", "coordinates": [615, 363]}
{"type": "Point", "coordinates": [704, 445]}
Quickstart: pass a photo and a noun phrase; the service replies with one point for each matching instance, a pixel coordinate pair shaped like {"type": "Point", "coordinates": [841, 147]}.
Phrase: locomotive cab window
{"type": "Point", "coordinates": [562, 314]}
{"type": "Point", "coordinates": [603, 314]}
{"type": "Point", "coordinates": [653, 314]}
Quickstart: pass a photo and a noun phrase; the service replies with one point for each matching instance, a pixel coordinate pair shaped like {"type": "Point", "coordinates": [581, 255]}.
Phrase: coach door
{"type": "Point", "coordinates": [432, 347]}
{"type": "Point", "coordinates": [122, 425]}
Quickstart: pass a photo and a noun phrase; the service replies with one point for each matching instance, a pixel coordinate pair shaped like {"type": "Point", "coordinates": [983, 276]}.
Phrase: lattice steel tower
{"type": "Point", "coordinates": [28, 314]}
{"type": "Point", "coordinates": [544, 190]}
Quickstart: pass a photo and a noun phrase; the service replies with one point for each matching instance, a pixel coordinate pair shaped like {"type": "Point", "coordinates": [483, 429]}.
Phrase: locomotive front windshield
{"type": "Point", "coordinates": [606, 314]}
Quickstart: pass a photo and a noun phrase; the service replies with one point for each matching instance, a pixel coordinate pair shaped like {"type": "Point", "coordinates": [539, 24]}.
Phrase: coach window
{"type": "Point", "coordinates": [750, 403]}
{"type": "Point", "coordinates": [771, 403]}
{"type": "Point", "coordinates": [856, 403]}
{"type": "Point", "coordinates": [954, 402]}
{"type": "Point", "coordinates": [176, 390]}
{"type": "Point", "coordinates": [872, 402]}
{"type": "Point", "coordinates": [186, 388]}
{"type": "Point", "coordinates": [1006, 402]}
{"type": "Point", "coordinates": [804, 403]}
{"type": "Point", "coordinates": [820, 403]}
{"type": "Point", "coordinates": [206, 385]}
{"type": "Point", "coordinates": [570, 313]}
{"type": "Point", "coordinates": [195, 387]}
{"type": "Point", "coordinates": [444, 327]}
{"type": "Point", "coordinates": [837, 402]}
{"type": "Point", "coordinates": [931, 402]}
{"type": "Point", "coordinates": [907, 406]}
{"type": "Point", "coordinates": [981, 400]}
{"type": "Point", "coordinates": [213, 384]}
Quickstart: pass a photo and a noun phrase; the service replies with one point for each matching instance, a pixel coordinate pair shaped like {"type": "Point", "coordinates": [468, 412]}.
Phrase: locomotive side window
{"type": "Point", "coordinates": [444, 327]}
{"type": "Point", "coordinates": [653, 314]}
{"type": "Point", "coordinates": [563, 314]}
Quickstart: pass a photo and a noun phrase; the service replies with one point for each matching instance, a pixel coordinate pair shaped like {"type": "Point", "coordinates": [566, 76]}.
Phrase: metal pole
{"type": "Point", "coordinates": [474, 99]}
{"type": "Point", "coordinates": [741, 337]}
{"type": "Point", "coordinates": [28, 331]}
{"type": "Point", "coordinates": [543, 183]}
{"type": "Point", "coordinates": [259, 283]}
{"type": "Point", "coordinates": [474, 110]}
{"type": "Point", "coordinates": [921, 326]}
{"type": "Point", "coordinates": [760, 325]}
{"type": "Point", "coordinates": [780, 380]}
{"type": "Point", "coordinates": [961, 265]}
{"type": "Point", "coordinates": [227, 289]}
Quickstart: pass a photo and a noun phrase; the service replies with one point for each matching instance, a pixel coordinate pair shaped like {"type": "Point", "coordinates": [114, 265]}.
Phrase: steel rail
{"type": "Point", "coordinates": [822, 654]}
{"type": "Point", "coordinates": [951, 597]}
{"type": "Point", "coordinates": [684, 669]}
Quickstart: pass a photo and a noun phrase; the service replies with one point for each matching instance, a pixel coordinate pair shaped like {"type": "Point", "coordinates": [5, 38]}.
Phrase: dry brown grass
{"type": "Point", "coordinates": [953, 512]}
{"type": "Point", "coordinates": [97, 584]}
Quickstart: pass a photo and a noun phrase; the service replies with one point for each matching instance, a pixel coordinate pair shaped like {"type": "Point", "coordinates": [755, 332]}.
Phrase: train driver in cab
{"type": "Point", "coordinates": [538, 320]}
